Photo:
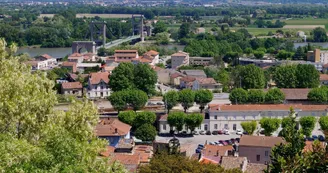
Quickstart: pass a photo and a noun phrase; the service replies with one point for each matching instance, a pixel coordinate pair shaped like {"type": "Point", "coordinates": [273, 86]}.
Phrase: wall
{"type": "Point", "coordinates": [252, 152]}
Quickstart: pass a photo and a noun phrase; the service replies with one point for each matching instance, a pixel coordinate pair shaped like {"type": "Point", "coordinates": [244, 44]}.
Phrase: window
{"type": "Point", "coordinates": [164, 126]}
{"type": "Point", "coordinates": [215, 126]}
{"type": "Point", "coordinates": [266, 153]}
{"type": "Point", "coordinates": [234, 127]}
{"type": "Point", "coordinates": [226, 126]}
{"type": "Point", "coordinates": [258, 158]}
{"type": "Point", "coordinates": [226, 117]}
{"type": "Point", "coordinates": [205, 127]}
{"type": "Point", "coordinates": [215, 117]}
{"type": "Point", "coordinates": [244, 117]}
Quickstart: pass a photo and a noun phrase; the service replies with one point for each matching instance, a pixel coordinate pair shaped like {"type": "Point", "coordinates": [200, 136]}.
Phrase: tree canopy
{"type": "Point", "coordinates": [203, 97]}
{"type": "Point", "coordinates": [269, 125]}
{"type": "Point", "coordinates": [187, 98]}
{"type": "Point", "coordinates": [177, 120]}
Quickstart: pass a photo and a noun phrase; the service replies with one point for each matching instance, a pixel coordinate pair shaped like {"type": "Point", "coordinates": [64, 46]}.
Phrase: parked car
{"type": "Point", "coordinates": [220, 132]}
{"type": "Point", "coordinates": [208, 133]}
{"type": "Point", "coordinates": [215, 132]}
{"type": "Point", "coordinates": [212, 143]}
{"type": "Point", "coordinates": [239, 132]}
{"type": "Point", "coordinates": [315, 137]}
{"type": "Point", "coordinates": [202, 132]}
{"type": "Point", "coordinates": [308, 138]}
{"type": "Point", "coordinates": [198, 150]}
{"type": "Point", "coordinates": [321, 138]}
{"type": "Point", "coordinates": [195, 133]}
{"type": "Point", "coordinates": [238, 140]}
{"type": "Point", "coordinates": [225, 143]}
{"type": "Point", "coordinates": [245, 133]}
{"type": "Point", "coordinates": [216, 143]}
{"type": "Point", "coordinates": [221, 141]}
{"type": "Point", "coordinates": [229, 142]}
{"type": "Point", "coordinates": [262, 132]}
{"type": "Point", "coordinates": [232, 140]}
{"type": "Point", "coordinates": [226, 132]}
{"type": "Point", "coordinates": [200, 146]}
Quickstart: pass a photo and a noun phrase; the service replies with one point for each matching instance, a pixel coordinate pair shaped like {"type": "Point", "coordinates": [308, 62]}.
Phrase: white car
{"type": "Point", "coordinates": [226, 132]}
{"type": "Point", "coordinates": [239, 132]}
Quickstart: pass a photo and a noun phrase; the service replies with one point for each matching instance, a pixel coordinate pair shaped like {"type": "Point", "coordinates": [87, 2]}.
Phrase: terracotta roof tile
{"type": "Point", "coordinates": [265, 107]}
{"type": "Point", "coordinates": [69, 64]}
{"type": "Point", "coordinates": [205, 160]}
{"type": "Point", "coordinates": [112, 127]}
{"type": "Point", "coordinates": [47, 56]}
{"type": "Point", "coordinates": [152, 53]}
{"type": "Point", "coordinates": [323, 77]}
{"type": "Point", "coordinates": [130, 162]}
{"type": "Point", "coordinates": [188, 79]}
{"type": "Point", "coordinates": [230, 162]}
{"type": "Point", "coordinates": [260, 141]}
{"type": "Point", "coordinates": [206, 80]}
{"type": "Point", "coordinates": [256, 168]}
{"type": "Point", "coordinates": [175, 75]}
{"type": "Point", "coordinates": [309, 146]}
{"type": "Point", "coordinates": [108, 151]}
{"type": "Point", "coordinates": [215, 150]}
{"type": "Point", "coordinates": [72, 85]}
{"type": "Point", "coordinates": [180, 53]}
{"type": "Point", "coordinates": [75, 55]}
{"type": "Point", "coordinates": [96, 78]}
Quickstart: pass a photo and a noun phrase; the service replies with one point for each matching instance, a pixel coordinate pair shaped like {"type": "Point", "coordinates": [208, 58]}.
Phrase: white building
{"type": "Point", "coordinates": [230, 117]}
{"type": "Point", "coordinates": [98, 85]}
{"type": "Point", "coordinates": [42, 62]}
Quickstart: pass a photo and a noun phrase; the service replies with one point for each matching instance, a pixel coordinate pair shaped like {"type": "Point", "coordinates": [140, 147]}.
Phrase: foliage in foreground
{"type": "Point", "coordinates": [34, 137]}
{"type": "Point", "coordinates": [164, 163]}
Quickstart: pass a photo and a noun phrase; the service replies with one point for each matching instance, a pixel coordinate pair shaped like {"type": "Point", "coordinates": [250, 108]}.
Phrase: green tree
{"type": "Point", "coordinates": [177, 163]}
{"type": "Point", "coordinates": [137, 99]}
{"type": "Point", "coordinates": [159, 27]}
{"type": "Point", "coordinates": [203, 97]}
{"type": "Point", "coordinates": [320, 35]}
{"type": "Point", "coordinates": [145, 78]}
{"type": "Point", "coordinates": [286, 157]}
{"type": "Point", "coordinates": [193, 120]}
{"type": "Point", "coordinates": [258, 54]}
{"type": "Point", "coordinates": [249, 126]}
{"type": "Point", "coordinates": [307, 124]}
{"type": "Point", "coordinates": [285, 76]}
{"type": "Point", "coordinates": [162, 38]}
{"type": "Point", "coordinates": [177, 120]}
{"type": "Point", "coordinates": [145, 117]}
{"type": "Point", "coordinates": [170, 99]}
{"type": "Point", "coordinates": [323, 121]}
{"type": "Point", "coordinates": [252, 77]}
{"type": "Point", "coordinates": [248, 51]}
{"type": "Point", "coordinates": [299, 54]}
{"type": "Point", "coordinates": [146, 132]}
{"type": "Point", "coordinates": [256, 96]}
{"type": "Point", "coordinates": [127, 117]}
{"type": "Point", "coordinates": [186, 98]}
{"type": "Point", "coordinates": [307, 76]}
{"type": "Point", "coordinates": [284, 55]}
{"type": "Point", "coordinates": [224, 78]}
{"type": "Point", "coordinates": [119, 100]}
{"type": "Point", "coordinates": [318, 95]}
{"type": "Point", "coordinates": [184, 30]}
{"type": "Point", "coordinates": [274, 96]}
{"type": "Point", "coordinates": [269, 125]}
{"type": "Point", "coordinates": [34, 137]}
{"type": "Point", "coordinates": [238, 96]}
{"type": "Point", "coordinates": [122, 77]}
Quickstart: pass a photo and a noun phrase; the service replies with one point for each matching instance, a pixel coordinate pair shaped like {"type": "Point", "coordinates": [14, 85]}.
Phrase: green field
{"type": "Point", "coordinates": [264, 31]}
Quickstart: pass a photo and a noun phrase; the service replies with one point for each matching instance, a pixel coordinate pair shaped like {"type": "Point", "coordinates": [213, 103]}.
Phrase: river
{"type": "Point", "coordinates": [323, 45]}
{"type": "Point", "coordinates": [54, 52]}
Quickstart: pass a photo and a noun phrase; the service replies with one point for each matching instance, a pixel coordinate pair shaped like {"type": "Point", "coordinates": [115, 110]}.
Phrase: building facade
{"type": "Point", "coordinates": [72, 88]}
{"type": "Point", "coordinates": [318, 56]}
{"type": "Point", "coordinates": [179, 59]}
{"type": "Point", "coordinates": [98, 85]}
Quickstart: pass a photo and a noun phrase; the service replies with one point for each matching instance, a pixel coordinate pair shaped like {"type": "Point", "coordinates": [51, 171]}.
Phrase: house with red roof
{"type": "Point", "coordinates": [72, 88]}
{"type": "Point", "coordinates": [47, 58]}
{"type": "Point", "coordinates": [98, 85]}
{"type": "Point", "coordinates": [76, 57]}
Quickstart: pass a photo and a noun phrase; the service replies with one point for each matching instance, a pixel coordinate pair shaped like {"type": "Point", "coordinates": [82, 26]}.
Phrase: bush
{"type": "Point", "coordinates": [146, 132]}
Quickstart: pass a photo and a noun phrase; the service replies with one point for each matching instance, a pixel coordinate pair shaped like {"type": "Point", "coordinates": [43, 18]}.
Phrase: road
{"type": "Point", "coordinates": [119, 41]}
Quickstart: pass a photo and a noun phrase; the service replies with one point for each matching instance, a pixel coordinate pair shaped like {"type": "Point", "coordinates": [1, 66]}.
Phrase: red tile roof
{"type": "Point", "coordinates": [130, 162]}
{"type": "Point", "coordinates": [188, 79]}
{"type": "Point", "coordinates": [323, 77]}
{"type": "Point", "coordinates": [72, 85]}
{"type": "Point", "coordinates": [67, 64]}
{"type": "Point", "coordinates": [265, 107]}
{"type": "Point", "coordinates": [75, 55]}
{"type": "Point", "coordinates": [108, 151]}
{"type": "Point", "coordinates": [206, 80]}
{"type": "Point", "coordinates": [152, 53]}
{"type": "Point", "coordinates": [230, 162]}
{"type": "Point", "coordinates": [205, 160]}
{"type": "Point", "coordinates": [175, 75]}
{"type": "Point", "coordinates": [180, 53]}
{"type": "Point", "coordinates": [46, 56]}
{"type": "Point", "coordinates": [215, 150]}
{"type": "Point", "coordinates": [112, 127]}
{"type": "Point", "coordinates": [96, 78]}
{"type": "Point", "coordinates": [260, 141]}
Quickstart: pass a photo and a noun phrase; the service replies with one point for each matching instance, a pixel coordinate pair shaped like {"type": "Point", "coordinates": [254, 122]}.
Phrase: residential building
{"type": "Point", "coordinates": [323, 79]}
{"type": "Point", "coordinates": [300, 34]}
{"type": "Point", "coordinates": [163, 75]}
{"type": "Point", "coordinates": [49, 59]}
{"type": "Point", "coordinates": [231, 116]}
{"type": "Point", "coordinates": [318, 56]}
{"type": "Point", "coordinates": [295, 95]}
{"type": "Point", "coordinates": [204, 61]}
{"type": "Point", "coordinates": [325, 68]}
{"type": "Point", "coordinates": [199, 83]}
{"type": "Point", "coordinates": [113, 130]}
{"type": "Point", "coordinates": [175, 79]}
{"type": "Point", "coordinates": [89, 57]}
{"type": "Point", "coordinates": [37, 65]}
{"type": "Point", "coordinates": [200, 30]}
{"type": "Point", "coordinates": [179, 59]}
{"type": "Point", "coordinates": [257, 62]}
{"type": "Point", "coordinates": [257, 149]}
{"type": "Point", "coordinates": [232, 162]}
{"type": "Point", "coordinates": [215, 152]}
{"type": "Point", "coordinates": [194, 73]}
{"type": "Point", "coordinates": [151, 57]}
{"type": "Point", "coordinates": [98, 85]}
{"type": "Point", "coordinates": [71, 66]}
{"type": "Point", "coordinates": [72, 88]}
{"type": "Point", "coordinates": [125, 55]}
{"type": "Point", "coordinates": [76, 57]}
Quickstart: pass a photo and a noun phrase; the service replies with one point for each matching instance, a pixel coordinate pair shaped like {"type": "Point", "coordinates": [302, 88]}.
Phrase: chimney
{"type": "Point", "coordinates": [115, 130]}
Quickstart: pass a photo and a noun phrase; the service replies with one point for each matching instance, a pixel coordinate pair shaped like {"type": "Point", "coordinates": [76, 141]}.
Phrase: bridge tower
{"type": "Point", "coordinates": [98, 32]}
{"type": "Point", "coordinates": [138, 27]}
